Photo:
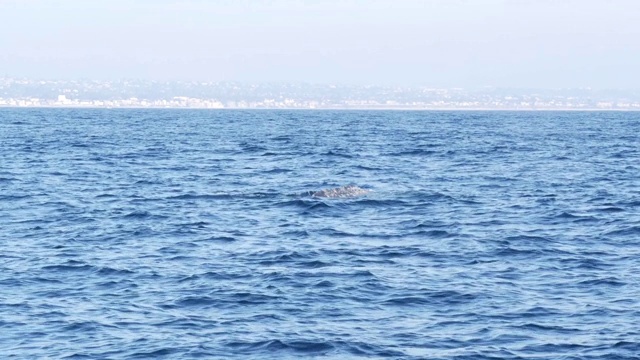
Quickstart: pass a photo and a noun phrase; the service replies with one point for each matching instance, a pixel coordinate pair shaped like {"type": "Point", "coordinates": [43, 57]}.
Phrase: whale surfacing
{"type": "Point", "coordinates": [341, 192]}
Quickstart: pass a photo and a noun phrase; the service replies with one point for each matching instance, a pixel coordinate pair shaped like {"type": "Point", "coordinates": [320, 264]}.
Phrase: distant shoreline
{"type": "Point", "coordinates": [320, 109]}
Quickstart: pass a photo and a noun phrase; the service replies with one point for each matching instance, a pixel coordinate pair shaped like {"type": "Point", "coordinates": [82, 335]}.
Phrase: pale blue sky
{"type": "Point", "coordinates": [443, 43]}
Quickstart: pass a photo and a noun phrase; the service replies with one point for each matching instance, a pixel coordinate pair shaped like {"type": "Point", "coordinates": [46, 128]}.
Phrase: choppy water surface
{"type": "Point", "coordinates": [196, 234]}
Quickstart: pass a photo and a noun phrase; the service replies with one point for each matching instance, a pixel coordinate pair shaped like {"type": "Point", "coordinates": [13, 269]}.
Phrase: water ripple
{"type": "Point", "coordinates": [196, 234]}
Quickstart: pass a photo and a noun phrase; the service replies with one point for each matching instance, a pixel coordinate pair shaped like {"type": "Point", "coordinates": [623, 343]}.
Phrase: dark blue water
{"type": "Point", "coordinates": [194, 234]}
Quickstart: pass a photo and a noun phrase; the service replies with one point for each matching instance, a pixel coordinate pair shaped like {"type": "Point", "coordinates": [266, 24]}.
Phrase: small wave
{"type": "Point", "coordinates": [316, 207]}
{"type": "Point", "coordinates": [428, 196]}
{"type": "Point", "coordinates": [574, 218]}
{"type": "Point", "coordinates": [154, 354]}
{"type": "Point", "coordinates": [112, 271]}
{"type": "Point", "coordinates": [200, 197]}
{"type": "Point", "coordinates": [537, 311]}
{"type": "Point", "coordinates": [566, 215]}
{"type": "Point", "coordinates": [224, 196]}
{"type": "Point", "coordinates": [197, 301]}
{"type": "Point", "coordinates": [225, 239]}
{"type": "Point", "coordinates": [285, 138]}
{"type": "Point", "coordinates": [216, 275]}
{"type": "Point", "coordinates": [146, 182]}
{"type": "Point", "coordinates": [527, 239]}
{"type": "Point", "coordinates": [277, 171]}
{"type": "Point", "coordinates": [336, 233]}
{"type": "Point", "coordinates": [324, 284]}
{"type": "Point", "coordinates": [362, 235]}
{"type": "Point", "coordinates": [407, 301]}
{"type": "Point", "coordinates": [85, 326]}
{"type": "Point", "coordinates": [382, 203]}
{"type": "Point", "coordinates": [223, 300]}
{"type": "Point", "coordinates": [304, 203]}
{"type": "Point", "coordinates": [80, 145]}
{"type": "Point", "coordinates": [608, 281]}
{"type": "Point", "coordinates": [610, 209]}
{"type": "Point", "coordinates": [633, 346]}
{"type": "Point", "coordinates": [446, 297]}
{"type": "Point", "coordinates": [251, 148]}
{"type": "Point", "coordinates": [116, 284]}
{"type": "Point", "coordinates": [438, 234]}
{"type": "Point", "coordinates": [283, 153]}
{"type": "Point", "coordinates": [633, 203]}
{"type": "Point", "coordinates": [296, 233]}
{"type": "Point", "coordinates": [510, 251]}
{"type": "Point", "coordinates": [421, 224]}
{"type": "Point", "coordinates": [417, 152]}
{"type": "Point", "coordinates": [363, 167]}
{"type": "Point", "coordinates": [332, 153]}
{"type": "Point", "coordinates": [281, 256]}
{"type": "Point", "coordinates": [47, 280]}
{"type": "Point", "coordinates": [632, 230]}
{"type": "Point", "coordinates": [300, 346]}
{"type": "Point", "coordinates": [547, 328]}
{"type": "Point", "coordinates": [369, 350]}
{"type": "Point", "coordinates": [13, 197]}
{"type": "Point", "coordinates": [68, 268]}
{"type": "Point", "coordinates": [587, 263]}
{"type": "Point", "coordinates": [143, 215]}
{"type": "Point", "coordinates": [315, 264]}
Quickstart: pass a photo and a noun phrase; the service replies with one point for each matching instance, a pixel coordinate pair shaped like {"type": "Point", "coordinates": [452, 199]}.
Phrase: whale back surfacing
{"type": "Point", "coordinates": [341, 192]}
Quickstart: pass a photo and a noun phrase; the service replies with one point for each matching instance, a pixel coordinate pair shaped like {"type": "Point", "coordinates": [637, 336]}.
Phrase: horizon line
{"type": "Point", "coordinates": [66, 107]}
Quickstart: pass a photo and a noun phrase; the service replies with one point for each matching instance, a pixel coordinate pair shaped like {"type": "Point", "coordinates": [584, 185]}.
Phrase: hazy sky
{"type": "Point", "coordinates": [444, 43]}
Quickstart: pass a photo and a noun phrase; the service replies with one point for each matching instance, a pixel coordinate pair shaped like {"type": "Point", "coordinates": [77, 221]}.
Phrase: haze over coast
{"type": "Point", "coordinates": [238, 95]}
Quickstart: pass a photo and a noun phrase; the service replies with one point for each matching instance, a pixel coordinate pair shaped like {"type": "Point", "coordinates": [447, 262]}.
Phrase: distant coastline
{"type": "Point", "coordinates": [140, 94]}
{"type": "Point", "coordinates": [479, 109]}
{"type": "Point", "coordinates": [324, 109]}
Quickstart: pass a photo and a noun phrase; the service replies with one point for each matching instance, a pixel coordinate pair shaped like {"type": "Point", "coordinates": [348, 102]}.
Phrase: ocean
{"type": "Point", "coordinates": [183, 234]}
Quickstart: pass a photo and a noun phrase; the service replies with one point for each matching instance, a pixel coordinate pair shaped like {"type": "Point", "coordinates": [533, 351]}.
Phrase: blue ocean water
{"type": "Point", "coordinates": [185, 234]}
